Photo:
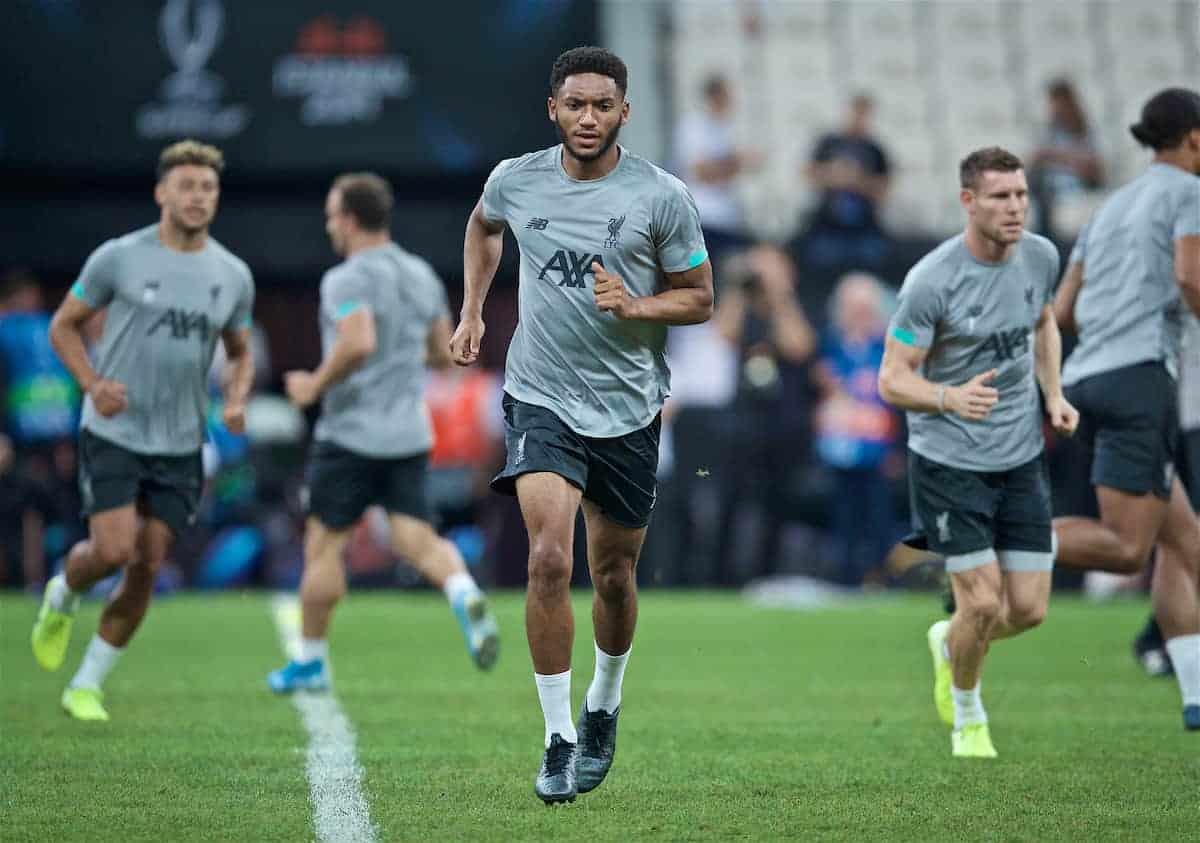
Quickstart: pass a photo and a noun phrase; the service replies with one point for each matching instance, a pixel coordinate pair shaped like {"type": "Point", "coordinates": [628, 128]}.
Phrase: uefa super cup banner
{"type": "Point", "coordinates": [283, 87]}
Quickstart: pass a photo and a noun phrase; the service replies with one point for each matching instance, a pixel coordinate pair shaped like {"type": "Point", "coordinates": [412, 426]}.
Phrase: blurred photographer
{"type": "Point", "coordinates": [760, 315]}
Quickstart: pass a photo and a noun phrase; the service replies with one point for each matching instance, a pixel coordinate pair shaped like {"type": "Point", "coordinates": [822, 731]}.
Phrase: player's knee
{"type": "Point", "coordinates": [1027, 617]}
{"type": "Point", "coordinates": [112, 553]}
{"type": "Point", "coordinates": [1131, 558]}
{"type": "Point", "coordinates": [549, 565]}
{"type": "Point", "coordinates": [982, 611]}
{"type": "Point", "coordinates": [614, 584]}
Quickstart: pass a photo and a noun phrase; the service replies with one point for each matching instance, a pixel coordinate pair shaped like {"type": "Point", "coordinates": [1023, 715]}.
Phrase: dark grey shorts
{"type": "Point", "coordinates": [342, 484]}
{"type": "Point", "coordinates": [166, 487]}
{"type": "Point", "coordinates": [1129, 421]}
{"type": "Point", "coordinates": [618, 474]}
{"type": "Point", "coordinates": [976, 517]}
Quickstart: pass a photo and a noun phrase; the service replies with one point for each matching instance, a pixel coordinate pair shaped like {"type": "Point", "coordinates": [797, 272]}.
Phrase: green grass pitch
{"type": "Point", "coordinates": [738, 724]}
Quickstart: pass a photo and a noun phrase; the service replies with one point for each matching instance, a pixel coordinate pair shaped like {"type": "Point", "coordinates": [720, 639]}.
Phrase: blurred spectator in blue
{"type": "Point", "coordinates": [851, 173]}
{"type": "Point", "coordinates": [857, 432]}
{"type": "Point", "coordinates": [41, 411]}
{"type": "Point", "coordinates": [710, 161]}
{"type": "Point", "coordinates": [41, 400]}
{"type": "Point", "coordinates": [1066, 164]}
{"type": "Point", "coordinates": [758, 312]}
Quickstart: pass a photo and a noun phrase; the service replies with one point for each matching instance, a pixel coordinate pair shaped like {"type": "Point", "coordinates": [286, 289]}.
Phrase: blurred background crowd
{"type": "Point", "coordinates": [819, 138]}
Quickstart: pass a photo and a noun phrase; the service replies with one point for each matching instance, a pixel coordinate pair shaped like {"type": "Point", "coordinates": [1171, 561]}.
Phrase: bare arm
{"type": "Point", "coordinates": [239, 370]}
{"type": "Point", "coordinates": [1064, 299]}
{"type": "Point", "coordinates": [688, 299]}
{"type": "Point", "coordinates": [66, 335]}
{"type": "Point", "coordinates": [1047, 354]}
{"type": "Point", "coordinates": [238, 377]}
{"type": "Point", "coordinates": [902, 386]}
{"type": "Point", "coordinates": [1187, 270]}
{"type": "Point", "coordinates": [437, 344]}
{"type": "Point", "coordinates": [482, 248]}
{"type": "Point", "coordinates": [1047, 364]}
{"type": "Point", "coordinates": [354, 343]}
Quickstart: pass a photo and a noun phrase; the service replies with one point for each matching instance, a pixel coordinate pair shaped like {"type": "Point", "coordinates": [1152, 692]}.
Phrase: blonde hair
{"type": "Point", "coordinates": [192, 152]}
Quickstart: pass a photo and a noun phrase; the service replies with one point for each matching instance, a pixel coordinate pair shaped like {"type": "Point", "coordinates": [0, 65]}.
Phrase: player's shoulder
{"type": "Point", "coordinates": [125, 243]}
{"type": "Point", "coordinates": [1041, 246]}
{"type": "Point", "coordinates": [235, 266]}
{"type": "Point", "coordinates": [413, 263]}
{"type": "Point", "coordinates": [646, 172]}
{"type": "Point", "coordinates": [938, 265]}
{"type": "Point", "coordinates": [530, 164]}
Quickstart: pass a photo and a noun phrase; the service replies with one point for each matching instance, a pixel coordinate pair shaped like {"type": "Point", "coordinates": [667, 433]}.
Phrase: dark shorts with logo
{"type": "Point", "coordinates": [1129, 421]}
{"type": "Point", "coordinates": [166, 487]}
{"type": "Point", "coordinates": [342, 484]}
{"type": "Point", "coordinates": [618, 474]}
{"type": "Point", "coordinates": [975, 517]}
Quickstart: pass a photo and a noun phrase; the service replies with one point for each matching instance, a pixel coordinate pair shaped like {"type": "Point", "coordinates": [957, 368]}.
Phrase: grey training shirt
{"type": "Point", "coordinates": [166, 310]}
{"type": "Point", "coordinates": [972, 317]}
{"type": "Point", "coordinates": [1129, 309]}
{"type": "Point", "coordinates": [379, 409]}
{"type": "Point", "coordinates": [602, 375]}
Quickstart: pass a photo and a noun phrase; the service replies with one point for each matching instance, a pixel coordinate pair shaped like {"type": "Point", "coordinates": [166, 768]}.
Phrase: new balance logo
{"type": "Point", "coordinates": [537, 224]}
{"type": "Point", "coordinates": [571, 267]}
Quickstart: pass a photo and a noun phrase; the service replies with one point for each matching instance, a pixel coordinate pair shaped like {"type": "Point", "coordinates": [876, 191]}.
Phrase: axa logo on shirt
{"type": "Point", "coordinates": [1004, 345]}
{"type": "Point", "coordinates": [570, 266]}
{"type": "Point", "coordinates": [181, 323]}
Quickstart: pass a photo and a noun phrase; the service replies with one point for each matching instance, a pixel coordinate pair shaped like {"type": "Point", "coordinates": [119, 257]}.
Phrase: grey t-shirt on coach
{"type": "Point", "coordinates": [972, 317]}
{"type": "Point", "coordinates": [1129, 309]}
{"type": "Point", "coordinates": [602, 375]}
{"type": "Point", "coordinates": [379, 409]}
{"type": "Point", "coordinates": [166, 311]}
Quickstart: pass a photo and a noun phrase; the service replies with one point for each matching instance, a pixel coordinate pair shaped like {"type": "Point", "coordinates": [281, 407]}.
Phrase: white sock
{"type": "Point", "coordinates": [968, 707]}
{"type": "Point", "coordinates": [458, 585]}
{"type": "Point", "coordinates": [62, 599]}
{"type": "Point", "coordinates": [604, 694]}
{"type": "Point", "coordinates": [1184, 651]}
{"type": "Point", "coordinates": [554, 693]}
{"type": "Point", "coordinates": [312, 649]}
{"type": "Point", "coordinates": [99, 659]}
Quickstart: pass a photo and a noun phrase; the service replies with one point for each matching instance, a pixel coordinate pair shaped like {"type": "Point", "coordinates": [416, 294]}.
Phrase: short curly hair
{"type": "Point", "coordinates": [588, 60]}
{"type": "Point", "coordinates": [190, 152]}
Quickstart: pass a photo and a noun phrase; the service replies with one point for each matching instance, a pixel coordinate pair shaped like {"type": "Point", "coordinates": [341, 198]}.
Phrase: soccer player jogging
{"type": "Point", "coordinates": [171, 291]}
{"type": "Point", "coordinates": [611, 254]}
{"type": "Point", "coordinates": [973, 339]}
{"type": "Point", "coordinates": [1134, 268]}
{"type": "Point", "coordinates": [383, 319]}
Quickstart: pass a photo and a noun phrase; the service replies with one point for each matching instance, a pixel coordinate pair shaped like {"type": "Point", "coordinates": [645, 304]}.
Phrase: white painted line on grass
{"type": "Point", "coordinates": [340, 811]}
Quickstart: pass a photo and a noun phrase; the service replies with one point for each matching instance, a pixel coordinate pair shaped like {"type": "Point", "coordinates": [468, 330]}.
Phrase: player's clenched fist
{"type": "Point", "coordinates": [302, 388]}
{"type": "Point", "coordinates": [974, 399]}
{"type": "Point", "coordinates": [611, 295]}
{"type": "Point", "coordinates": [108, 397]}
{"type": "Point", "coordinates": [1064, 418]}
{"type": "Point", "coordinates": [233, 414]}
{"type": "Point", "coordinates": [464, 345]}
